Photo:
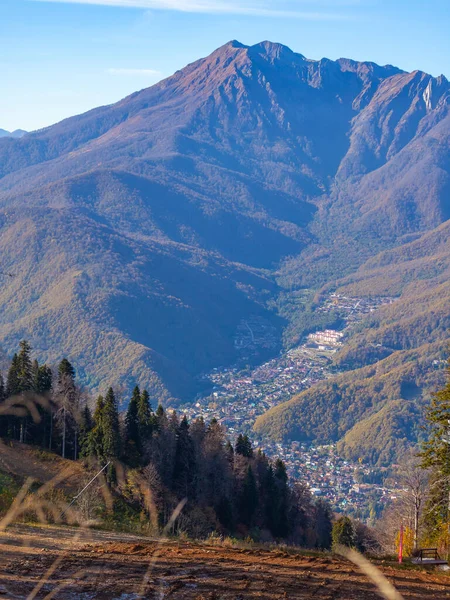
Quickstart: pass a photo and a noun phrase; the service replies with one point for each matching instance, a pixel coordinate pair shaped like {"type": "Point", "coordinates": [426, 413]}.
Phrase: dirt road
{"type": "Point", "coordinates": [115, 566]}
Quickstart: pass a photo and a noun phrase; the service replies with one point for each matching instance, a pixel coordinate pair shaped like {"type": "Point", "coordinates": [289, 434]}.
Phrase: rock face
{"type": "Point", "coordinates": [143, 233]}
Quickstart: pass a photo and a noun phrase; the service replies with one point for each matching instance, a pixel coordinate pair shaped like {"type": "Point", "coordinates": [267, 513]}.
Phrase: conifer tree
{"type": "Point", "coordinates": [323, 525]}
{"type": "Point", "coordinates": [25, 367]}
{"type": "Point", "coordinates": [436, 457]}
{"type": "Point", "coordinates": [216, 472]}
{"type": "Point", "coordinates": [230, 453]}
{"type": "Point", "coordinates": [25, 382]}
{"type": "Point", "coordinates": [144, 417]}
{"type": "Point", "coordinates": [13, 390]}
{"type": "Point", "coordinates": [174, 422]}
{"type": "Point", "coordinates": [268, 494]}
{"type": "Point", "coordinates": [198, 432]}
{"type": "Point", "coordinates": [66, 368]}
{"type": "Point", "coordinates": [184, 471]}
{"type": "Point", "coordinates": [42, 384]}
{"type": "Point", "coordinates": [249, 498]}
{"type": "Point", "coordinates": [12, 382]}
{"type": "Point", "coordinates": [132, 419]}
{"type": "Point", "coordinates": [281, 525]}
{"type": "Point", "coordinates": [34, 373]}
{"type": "Point", "coordinates": [94, 442]}
{"type": "Point", "coordinates": [244, 446]}
{"type": "Point", "coordinates": [133, 445]}
{"type": "Point", "coordinates": [86, 426]}
{"type": "Point", "coordinates": [111, 430]}
{"type": "Point", "coordinates": [43, 380]}
{"type": "Point", "coordinates": [67, 399]}
{"type": "Point", "coordinates": [160, 418]}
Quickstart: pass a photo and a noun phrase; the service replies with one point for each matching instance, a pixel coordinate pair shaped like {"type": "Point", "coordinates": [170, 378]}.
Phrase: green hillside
{"type": "Point", "coordinates": [391, 360]}
{"type": "Point", "coordinates": [327, 412]}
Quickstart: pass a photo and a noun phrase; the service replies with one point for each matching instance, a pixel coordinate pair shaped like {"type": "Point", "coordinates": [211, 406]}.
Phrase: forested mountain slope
{"type": "Point", "coordinates": [142, 234]}
{"type": "Point", "coordinates": [375, 411]}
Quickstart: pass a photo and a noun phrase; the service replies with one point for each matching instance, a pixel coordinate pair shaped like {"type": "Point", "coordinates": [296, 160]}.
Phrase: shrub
{"type": "Point", "coordinates": [344, 533]}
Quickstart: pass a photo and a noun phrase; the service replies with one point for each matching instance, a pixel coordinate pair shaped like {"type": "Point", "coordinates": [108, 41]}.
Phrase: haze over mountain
{"type": "Point", "coordinates": [142, 234]}
{"type": "Point", "coordinates": [18, 133]}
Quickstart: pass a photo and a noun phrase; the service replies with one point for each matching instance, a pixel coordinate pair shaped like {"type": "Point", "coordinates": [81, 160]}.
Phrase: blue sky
{"type": "Point", "coordinates": [59, 57]}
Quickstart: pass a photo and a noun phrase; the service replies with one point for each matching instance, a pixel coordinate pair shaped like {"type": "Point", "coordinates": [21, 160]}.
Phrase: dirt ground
{"type": "Point", "coordinates": [115, 566]}
{"type": "Point", "coordinates": [26, 461]}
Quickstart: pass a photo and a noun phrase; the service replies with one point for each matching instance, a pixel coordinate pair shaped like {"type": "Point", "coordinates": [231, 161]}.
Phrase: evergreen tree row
{"type": "Point", "coordinates": [39, 406]}
{"type": "Point", "coordinates": [229, 488]}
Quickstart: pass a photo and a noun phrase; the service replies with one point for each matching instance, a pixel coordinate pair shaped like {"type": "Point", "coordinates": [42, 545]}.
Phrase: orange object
{"type": "Point", "coordinates": [400, 545]}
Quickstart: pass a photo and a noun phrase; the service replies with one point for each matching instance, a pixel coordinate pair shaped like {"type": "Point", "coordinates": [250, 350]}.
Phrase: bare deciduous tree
{"type": "Point", "coordinates": [412, 485]}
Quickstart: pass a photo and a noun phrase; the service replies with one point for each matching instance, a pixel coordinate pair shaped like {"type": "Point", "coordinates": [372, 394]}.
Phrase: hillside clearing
{"type": "Point", "coordinates": [114, 566]}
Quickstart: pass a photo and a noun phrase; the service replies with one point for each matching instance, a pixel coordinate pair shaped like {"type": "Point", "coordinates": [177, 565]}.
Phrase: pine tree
{"type": "Point", "coordinates": [42, 384]}
{"type": "Point", "coordinates": [111, 430]}
{"type": "Point", "coordinates": [249, 498]}
{"type": "Point", "coordinates": [132, 417]}
{"type": "Point", "coordinates": [244, 446]}
{"type": "Point", "coordinates": [25, 382]}
{"type": "Point", "coordinates": [94, 442]}
{"type": "Point", "coordinates": [132, 429]}
{"type": "Point", "coordinates": [184, 470]}
{"type": "Point", "coordinates": [25, 367]}
{"type": "Point", "coordinates": [229, 450]}
{"type": "Point", "coordinates": [323, 525]}
{"type": "Point", "coordinates": [215, 472]}
{"type": "Point", "coordinates": [86, 426]}
{"type": "Point", "coordinates": [144, 417]}
{"type": "Point", "coordinates": [43, 380]}
{"type": "Point", "coordinates": [282, 499]}
{"type": "Point", "coordinates": [269, 494]}
{"type": "Point", "coordinates": [67, 399]}
{"type": "Point", "coordinates": [13, 382]}
{"type": "Point", "coordinates": [34, 373]}
{"type": "Point", "coordinates": [13, 390]}
{"type": "Point", "coordinates": [66, 368]}
{"type": "Point", "coordinates": [174, 422]}
{"type": "Point", "coordinates": [436, 457]}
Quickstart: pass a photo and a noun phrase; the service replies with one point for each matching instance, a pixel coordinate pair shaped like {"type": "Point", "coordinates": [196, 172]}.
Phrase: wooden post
{"type": "Point", "coordinates": [400, 545]}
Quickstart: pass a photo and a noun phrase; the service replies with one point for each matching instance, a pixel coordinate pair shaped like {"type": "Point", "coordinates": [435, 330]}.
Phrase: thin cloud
{"type": "Point", "coordinates": [259, 8]}
{"type": "Point", "coordinates": [135, 72]}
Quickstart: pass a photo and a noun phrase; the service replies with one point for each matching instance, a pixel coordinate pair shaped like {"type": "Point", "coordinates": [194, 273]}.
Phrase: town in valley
{"type": "Point", "coordinates": [239, 395]}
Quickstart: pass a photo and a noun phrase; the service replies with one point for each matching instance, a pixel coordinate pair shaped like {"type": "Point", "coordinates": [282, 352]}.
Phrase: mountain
{"type": "Point", "coordinates": [375, 409]}
{"type": "Point", "coordinates": [18, 133]}
{"type": "Point", "coordinates": [144, 234]}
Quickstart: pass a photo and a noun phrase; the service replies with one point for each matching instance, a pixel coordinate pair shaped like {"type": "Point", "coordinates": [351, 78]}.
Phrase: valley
{"type": "Point", "coordinates": [225, 300]}
{"type": "Point", "coordinates": [204, 223]}
{"type": "Point", "coordinates": [239, 396]}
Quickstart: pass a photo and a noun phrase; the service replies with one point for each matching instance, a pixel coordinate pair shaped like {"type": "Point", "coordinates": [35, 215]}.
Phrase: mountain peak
{"type": "Point", "coordinates": [235, 44]}
{"type": "Point", "coordinates": [274, 50]}
{"type": "Point", "coordinates": [18, 133]}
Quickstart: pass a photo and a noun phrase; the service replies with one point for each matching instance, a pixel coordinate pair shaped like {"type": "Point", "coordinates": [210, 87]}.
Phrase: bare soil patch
{"type": "Point", "coordinates": [25, 462]}
{"type": "Point", "coordinates": [114, 566]}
